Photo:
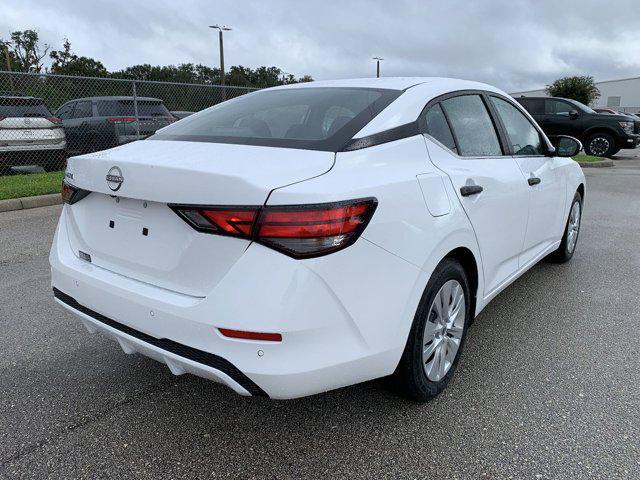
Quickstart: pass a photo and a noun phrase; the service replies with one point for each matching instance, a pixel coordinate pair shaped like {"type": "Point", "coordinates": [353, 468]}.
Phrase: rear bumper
{"type": "Point", "coordinates": [179, 358]}
{"type": "Point", "coordinates": [343, 317]}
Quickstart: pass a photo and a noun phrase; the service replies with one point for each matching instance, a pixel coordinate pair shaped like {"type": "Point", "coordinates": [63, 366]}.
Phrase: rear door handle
{"type": "Point", "coordinates": [470, 190]}
{"type": "Point", "coordinates": [533, 181]}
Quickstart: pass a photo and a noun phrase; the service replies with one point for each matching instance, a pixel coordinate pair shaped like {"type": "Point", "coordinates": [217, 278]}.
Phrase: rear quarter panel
{"type": "Point", "coordinates": [402, 227]}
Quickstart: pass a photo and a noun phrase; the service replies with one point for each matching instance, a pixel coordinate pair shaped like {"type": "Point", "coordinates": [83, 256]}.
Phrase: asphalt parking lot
{"type": "Point", "coordinates": [548, 387]}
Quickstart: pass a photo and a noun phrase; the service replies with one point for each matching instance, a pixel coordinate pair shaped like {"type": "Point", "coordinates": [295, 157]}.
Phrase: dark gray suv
{"type": "Point", "coordinates": [98, 123]}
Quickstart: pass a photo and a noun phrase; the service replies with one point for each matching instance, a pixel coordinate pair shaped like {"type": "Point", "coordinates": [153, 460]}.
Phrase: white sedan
{"type": "Point", "coordinates": [303, 238]}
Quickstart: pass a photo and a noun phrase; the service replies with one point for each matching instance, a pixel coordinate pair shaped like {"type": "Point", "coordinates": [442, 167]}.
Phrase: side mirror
{"type": "Point", "coordinates": [573, 114]}
{"type": "Point", "coordinates": [565, 146]}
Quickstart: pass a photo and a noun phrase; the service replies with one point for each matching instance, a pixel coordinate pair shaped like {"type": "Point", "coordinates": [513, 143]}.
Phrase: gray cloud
{"type": "Point", "coordinates": [515, 44]}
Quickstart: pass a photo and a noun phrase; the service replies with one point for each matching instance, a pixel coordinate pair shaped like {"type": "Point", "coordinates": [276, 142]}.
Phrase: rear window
{"type": "Point", "coordinates": [126, 108]}
{"type": "Point", "coordinates": [23, 107]}
{"type": "Point", "coordinates": [308, 118]}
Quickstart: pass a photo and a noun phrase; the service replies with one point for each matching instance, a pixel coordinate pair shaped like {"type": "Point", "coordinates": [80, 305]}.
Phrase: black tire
{"type": "Point", "coordinates": [564, 253]}
{"type": "Point", "coordinates": [600, 145]}
{"type": "Point", "coordinates": [410, 378]}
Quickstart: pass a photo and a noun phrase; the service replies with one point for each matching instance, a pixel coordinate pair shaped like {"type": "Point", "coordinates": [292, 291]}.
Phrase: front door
{"type": "Point", "coordinates": [542, 174]}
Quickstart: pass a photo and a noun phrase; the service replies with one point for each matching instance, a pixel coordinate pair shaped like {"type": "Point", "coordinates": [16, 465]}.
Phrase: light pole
{"type": "Point", "coordinates": [377, 59]}
{"type": "Point", "coordinates": [221, 28]}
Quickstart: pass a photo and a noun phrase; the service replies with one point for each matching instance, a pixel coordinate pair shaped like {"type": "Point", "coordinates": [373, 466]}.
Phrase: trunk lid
{"type": "Point", "coordinates": [132, 231]}
{"type": "Point", "coordinates": [24, 131]}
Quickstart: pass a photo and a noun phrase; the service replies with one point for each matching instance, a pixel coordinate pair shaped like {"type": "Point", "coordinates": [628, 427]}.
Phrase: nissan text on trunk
{"type": "Point", "coordinates": [312, 236]}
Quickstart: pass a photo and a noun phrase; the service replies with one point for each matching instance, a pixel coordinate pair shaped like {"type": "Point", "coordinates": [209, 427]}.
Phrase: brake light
{"type": "Point", "coordinates": [300, 231]}
{"type": "Point", "coordinates": [55, 120]}
{"type": "Point", "coordinates": [71, 194]}
{"type": "Point", "coordinates": [121, 119]}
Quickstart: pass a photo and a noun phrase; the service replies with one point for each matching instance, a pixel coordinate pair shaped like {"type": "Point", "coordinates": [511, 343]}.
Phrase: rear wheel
{"type": "Point", "coordinates": [600, 145]}
{"type": "Point", "coordinates": [572, 230]}
{"type": "Point", "coordinates": [437, 335]}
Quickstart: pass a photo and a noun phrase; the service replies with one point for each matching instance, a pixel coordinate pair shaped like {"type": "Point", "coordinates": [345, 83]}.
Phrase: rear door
{"type": "Point", "coordinates": [488, 181]}
{"type": "Point", "coordinates": [543, 176]}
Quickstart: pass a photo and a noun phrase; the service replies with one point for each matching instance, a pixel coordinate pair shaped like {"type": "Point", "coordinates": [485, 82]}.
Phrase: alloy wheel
{"type": "Point", "coordinates": [573, 227]}
{"type": "Point", "coordinates": [443, 330]}
{"type": "Point", "coordinates": [599, 146]}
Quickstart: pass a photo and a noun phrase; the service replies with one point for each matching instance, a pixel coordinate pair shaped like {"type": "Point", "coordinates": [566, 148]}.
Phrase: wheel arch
{"type": "Point", "coordinates": [599, 129]}
{"type": "Point", "coordinates": [467, 259]}
{"type": "Point", "coordinates": [580, 190]}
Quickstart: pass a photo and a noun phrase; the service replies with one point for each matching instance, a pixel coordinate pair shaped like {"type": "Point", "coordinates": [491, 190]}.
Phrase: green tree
{"type": "Point", "coordinates": [25, 52]}
{"type": "Point", "coordinates": [580, 88]}
{"type": "Point", "coordinates": [65, 62]}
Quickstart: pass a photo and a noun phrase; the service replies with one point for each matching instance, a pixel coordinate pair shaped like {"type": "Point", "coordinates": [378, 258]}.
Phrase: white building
{"type": "Point", "coordinates": [621, 95]}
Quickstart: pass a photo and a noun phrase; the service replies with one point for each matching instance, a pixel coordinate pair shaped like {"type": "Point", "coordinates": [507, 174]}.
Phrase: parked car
{"type": "Point", "coordinates": [180, 114]}
{"type": "Point", "coordinates": [98, 123]}
{"type": "Point", "coordinates": [30, 135]}
{"type": "Point", "coordinates": [602, 135]}
{"type": "Point", "coordinates": [303, 238]}
{"type": "Point", "coordinates": [610, 111]}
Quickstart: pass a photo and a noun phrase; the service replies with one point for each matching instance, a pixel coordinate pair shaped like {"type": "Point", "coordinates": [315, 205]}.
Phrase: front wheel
{"type": "Point", "coordinates": [600, 145]}
{"type": "Point", "coordinates": [572, 230]}
{"type": "Point", "coordinates": [437, 335]}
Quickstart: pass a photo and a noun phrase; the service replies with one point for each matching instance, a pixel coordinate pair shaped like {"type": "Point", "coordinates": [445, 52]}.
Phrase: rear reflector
{"type": "Point", "coordinates": [300, 231]}
{"type": "Point", "coordinates": [268, 337]}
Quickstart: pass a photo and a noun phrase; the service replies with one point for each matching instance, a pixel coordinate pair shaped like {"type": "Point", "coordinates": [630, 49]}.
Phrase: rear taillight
{"type": "Point", "coordinates": [71, 194]}
{"type": "Point", "coordinates": [121, 119]}
{"type": "Point", "coordinates": [300, 231]}
{"type": "Point", "coordinates": [55, 120]}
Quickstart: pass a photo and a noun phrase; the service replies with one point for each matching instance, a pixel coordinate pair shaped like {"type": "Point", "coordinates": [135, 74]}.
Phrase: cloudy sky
{"type": "Point", "coordinates": [514, 44]}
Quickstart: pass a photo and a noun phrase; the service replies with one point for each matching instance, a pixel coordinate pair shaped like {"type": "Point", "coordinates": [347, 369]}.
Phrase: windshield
{"type": "Point", "coordinates": [126, 108]}
{"type": "Point", "coordinates": [18, 107]}
{"type": "Point", "coordinates": [308, 118]}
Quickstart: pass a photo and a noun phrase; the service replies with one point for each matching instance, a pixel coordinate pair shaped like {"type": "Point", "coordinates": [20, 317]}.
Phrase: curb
{"type": "Point", "coordinates": [600, 164]}
{"type": "Point", "coordinates": [30, 202]}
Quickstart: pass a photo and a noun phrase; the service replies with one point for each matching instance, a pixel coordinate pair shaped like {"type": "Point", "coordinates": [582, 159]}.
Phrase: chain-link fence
{"type": "Point", "coordinates": [46, 118]}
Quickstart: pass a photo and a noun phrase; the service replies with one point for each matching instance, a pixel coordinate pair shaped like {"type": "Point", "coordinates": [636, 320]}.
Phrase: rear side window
{"type": "Point", "coordinates": [438, 128]}
{"type": "Point", "coordinates": [535, 106]}
{"type": "Point", "coordinates": [126, 108]}
{"type": "Point", "coordinates": [23, 107]}
{"type": "Point", "coordinates": [472, 125]}
{"type": "Point", "coordinates": [523, 136]}
{"type": "Point", "coordinates": [316, 118]}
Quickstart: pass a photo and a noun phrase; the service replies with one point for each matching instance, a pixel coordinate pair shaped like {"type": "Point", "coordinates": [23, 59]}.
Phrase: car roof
{"type": "Point", "coordinates": [116, 98]}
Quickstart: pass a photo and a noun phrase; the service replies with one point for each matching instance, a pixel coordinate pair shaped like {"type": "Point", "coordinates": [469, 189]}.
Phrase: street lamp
{"type": "Point", "coordinates": [221, 28]}
{"type": "Point", "coordinates": [377, 59]}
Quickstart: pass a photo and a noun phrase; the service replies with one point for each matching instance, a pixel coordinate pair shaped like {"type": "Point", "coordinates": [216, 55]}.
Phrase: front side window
{"type": "Point", "coordinates": [472, 126]}
{"type": "Point", "coordinates": [83, 110]}
{"type": "Point", "coordinates": [316, 118]}
{"type": "Point", "coordinates": [523, 137]}
{"type": "Point", "coordinates": [557, 107]}
{"type": "Point", "coordinates": [65, 112]}
{"type": "Point", "coordinates": [437, 126]}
